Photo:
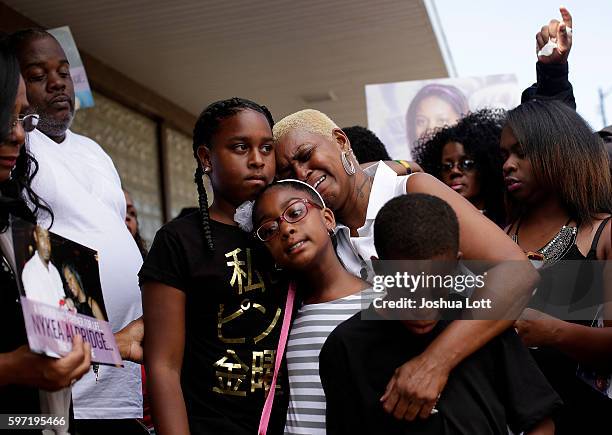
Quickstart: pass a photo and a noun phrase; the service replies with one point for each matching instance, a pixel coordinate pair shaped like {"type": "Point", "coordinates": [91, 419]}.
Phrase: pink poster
{"type": "Point", "coordinates": [61, 294]}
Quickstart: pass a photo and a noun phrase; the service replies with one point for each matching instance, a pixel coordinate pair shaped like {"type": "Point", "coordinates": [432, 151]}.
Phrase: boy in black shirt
{"type": "Point", "coordinates": [498, 386]}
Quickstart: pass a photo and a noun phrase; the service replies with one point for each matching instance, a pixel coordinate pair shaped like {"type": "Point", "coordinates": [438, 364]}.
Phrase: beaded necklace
{"type": "Point", "coordinates": [556, 248]}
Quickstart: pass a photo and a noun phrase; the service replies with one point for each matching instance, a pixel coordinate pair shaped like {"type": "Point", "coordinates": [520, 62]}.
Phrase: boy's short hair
{"type": "Point", "coordinates": [416, 226]}
{"type": "Point", "coordinates": [309, 120]}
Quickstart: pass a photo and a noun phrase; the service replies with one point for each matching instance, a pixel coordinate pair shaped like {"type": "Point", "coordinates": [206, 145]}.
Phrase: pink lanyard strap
{"type": "Point", "coordinates": [280, 351]}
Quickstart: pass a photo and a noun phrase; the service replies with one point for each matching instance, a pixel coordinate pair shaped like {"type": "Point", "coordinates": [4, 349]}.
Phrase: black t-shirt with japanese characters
{"type": "Point", "coordinates": [498, 385]}
{"type": "Point", "coordinates": [234, 313]}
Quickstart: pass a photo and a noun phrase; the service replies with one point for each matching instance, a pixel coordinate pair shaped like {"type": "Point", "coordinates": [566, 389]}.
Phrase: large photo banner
{"type": "Point", "coordinates": [61, 294]}
{"type": "Point", "coordinates": [400, 113]}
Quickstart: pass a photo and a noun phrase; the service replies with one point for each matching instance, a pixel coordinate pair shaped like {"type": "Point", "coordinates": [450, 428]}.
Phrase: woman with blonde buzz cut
{"type": "Point", "coordinates": [311, 148]}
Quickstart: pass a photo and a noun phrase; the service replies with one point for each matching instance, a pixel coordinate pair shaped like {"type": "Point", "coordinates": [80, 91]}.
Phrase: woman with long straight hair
{"type": "Point", "coordinates": [560, 197]}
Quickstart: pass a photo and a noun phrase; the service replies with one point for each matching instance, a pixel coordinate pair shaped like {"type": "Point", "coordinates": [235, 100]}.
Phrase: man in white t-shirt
{"type": "Point", "coordinates": [41, 280]}
{"type": "Point", "coordinates": [78, 180]}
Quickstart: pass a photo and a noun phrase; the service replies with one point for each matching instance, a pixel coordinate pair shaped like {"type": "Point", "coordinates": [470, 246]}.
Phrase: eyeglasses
{"type": "Point", "coordinates": [464, 165]}
{"type": "Point", "coordinates": [295, 212]}
{"type": "Point", "coordinates": [28, 122]}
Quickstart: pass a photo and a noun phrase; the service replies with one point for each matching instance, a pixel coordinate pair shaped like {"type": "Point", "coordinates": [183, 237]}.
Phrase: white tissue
{"type": "Point", "coordinates": [244, 216]}
{"type": "Point", "coordinates": [550, 46]}
{"type": "Point", "coordinates": [548, 49]}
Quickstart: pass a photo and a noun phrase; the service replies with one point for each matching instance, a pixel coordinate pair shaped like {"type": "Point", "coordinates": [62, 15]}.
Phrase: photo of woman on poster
{"type": "Point", "coordinates": [434, 106]}
{"type": "Point", "coordinates": [402, 113]}
{"type": "Point", "coordinates": [76, 298]}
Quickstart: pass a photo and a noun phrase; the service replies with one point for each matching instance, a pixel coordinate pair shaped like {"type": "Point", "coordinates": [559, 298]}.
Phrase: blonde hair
{"type": "Point", "coordinates": [308, 120]}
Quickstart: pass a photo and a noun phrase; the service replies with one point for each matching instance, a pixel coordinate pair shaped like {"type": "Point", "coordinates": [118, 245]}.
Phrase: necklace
{"type": "Point", "coordinates": [556, 248]}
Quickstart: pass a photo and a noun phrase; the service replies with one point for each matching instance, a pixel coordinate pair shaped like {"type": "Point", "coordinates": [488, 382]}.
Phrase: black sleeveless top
{"type": "Point", "coordinates": [84, 307]}
{"type": "Point", "coordinates": [573, 286]}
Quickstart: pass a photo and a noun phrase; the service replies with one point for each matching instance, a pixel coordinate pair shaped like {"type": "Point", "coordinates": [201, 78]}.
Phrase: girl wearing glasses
{"type": "Point", "coordinates": [466, 157]}
{"type": "Point", "coordinates": [291, 219]}
{"type": "Point", "coordinates": [212, 310]}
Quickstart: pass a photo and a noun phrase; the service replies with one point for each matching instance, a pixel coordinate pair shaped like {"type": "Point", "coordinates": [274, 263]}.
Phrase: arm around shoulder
{"type": "Point", "coordinates": [479, 238]}
{"type": "Point", "coordinates": [401, 167]}
{"type": "Point", "coordinates": [509, 282]}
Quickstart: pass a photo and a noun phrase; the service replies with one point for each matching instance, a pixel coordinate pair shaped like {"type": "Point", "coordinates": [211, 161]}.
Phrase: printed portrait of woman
{"type": "Point", "coordinates": [434, 106]}
{"type": "Point", "coordinates": [76, 297]}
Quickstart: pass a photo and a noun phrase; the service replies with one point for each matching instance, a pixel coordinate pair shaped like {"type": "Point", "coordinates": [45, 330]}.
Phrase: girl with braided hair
{"type": "Point", "coordinates": [212, 310]}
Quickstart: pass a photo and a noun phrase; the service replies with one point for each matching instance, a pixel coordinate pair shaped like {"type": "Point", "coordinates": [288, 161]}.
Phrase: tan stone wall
{"type": "Point", "coordinates": [181, 167]}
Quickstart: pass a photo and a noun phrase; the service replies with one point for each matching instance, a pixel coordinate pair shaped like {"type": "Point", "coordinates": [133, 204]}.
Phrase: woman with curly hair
{"type": "Point", "coordinates": [466, 157]}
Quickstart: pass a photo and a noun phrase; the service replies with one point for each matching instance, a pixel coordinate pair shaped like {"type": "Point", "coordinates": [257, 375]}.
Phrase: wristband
{"type": "Point", "coordinates": [406, 165]}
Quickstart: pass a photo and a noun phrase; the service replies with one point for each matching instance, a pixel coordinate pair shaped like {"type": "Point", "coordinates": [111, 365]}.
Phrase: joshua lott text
{"type": "Point", "coordinates": [439, 304]}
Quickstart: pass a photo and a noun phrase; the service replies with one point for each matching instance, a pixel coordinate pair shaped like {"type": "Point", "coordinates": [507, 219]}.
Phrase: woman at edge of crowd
{"type": "Point", "coordinates": [23, 374]}
{"type": "Point", "coordinates": [311, 148]}
{"type": "Point", "coordinates": [560, 200]}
